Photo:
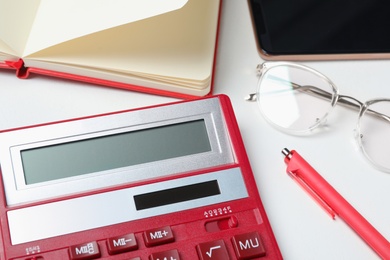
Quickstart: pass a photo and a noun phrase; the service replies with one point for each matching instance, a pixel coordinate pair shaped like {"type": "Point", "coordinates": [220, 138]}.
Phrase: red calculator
{"type": "Point", "coordinates": [166, 182]}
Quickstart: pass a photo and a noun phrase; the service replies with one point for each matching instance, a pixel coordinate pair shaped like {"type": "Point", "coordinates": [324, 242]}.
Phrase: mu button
{"type": "Point", "coordinates": [248, 246]}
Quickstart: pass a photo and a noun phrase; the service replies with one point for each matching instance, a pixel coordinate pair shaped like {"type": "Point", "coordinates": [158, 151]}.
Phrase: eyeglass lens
{"type": "Point", "coordinates": [294, 99]}
{"type": "Point", "coordinates": [374, 133]}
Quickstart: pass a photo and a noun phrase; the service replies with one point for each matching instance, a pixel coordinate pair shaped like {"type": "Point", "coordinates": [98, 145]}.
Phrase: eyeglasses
{"type": "Point", "coordinates": [297, 100]}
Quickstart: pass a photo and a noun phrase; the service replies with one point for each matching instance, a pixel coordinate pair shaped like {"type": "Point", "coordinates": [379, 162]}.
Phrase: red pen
{"type": "Point", "coordinates": [311, 181]}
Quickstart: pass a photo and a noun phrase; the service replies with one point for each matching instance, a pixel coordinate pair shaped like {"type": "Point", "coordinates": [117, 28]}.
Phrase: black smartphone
{"type": "Point", "coordinates": [321, 29]}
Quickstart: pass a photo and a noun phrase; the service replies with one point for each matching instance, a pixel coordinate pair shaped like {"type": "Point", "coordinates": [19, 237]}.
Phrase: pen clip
{"type": "Point", "coordinates": [313, 194]}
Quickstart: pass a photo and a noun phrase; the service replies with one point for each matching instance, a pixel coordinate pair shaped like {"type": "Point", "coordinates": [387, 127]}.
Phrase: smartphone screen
{"type": "Point", "coordinates": [310, 27]}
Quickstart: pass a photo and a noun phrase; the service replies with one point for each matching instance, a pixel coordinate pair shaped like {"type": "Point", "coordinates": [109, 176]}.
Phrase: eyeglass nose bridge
{"type": "Point", "coordinates": [350, 102]}
{"type": "Point", "coordinates": [355, 104]}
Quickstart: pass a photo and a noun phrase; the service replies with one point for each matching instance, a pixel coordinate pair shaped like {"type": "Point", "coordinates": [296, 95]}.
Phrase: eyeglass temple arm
{"type": "Point", "coordinates": [342, 100]}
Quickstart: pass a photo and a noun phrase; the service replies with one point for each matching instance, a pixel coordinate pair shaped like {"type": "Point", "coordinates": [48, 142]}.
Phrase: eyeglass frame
{"type": "Point", "coordinates": [335, 98]}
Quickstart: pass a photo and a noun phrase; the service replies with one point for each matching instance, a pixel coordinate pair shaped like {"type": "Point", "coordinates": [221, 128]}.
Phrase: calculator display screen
{"type": "Point", "coordinates": [114, 151]}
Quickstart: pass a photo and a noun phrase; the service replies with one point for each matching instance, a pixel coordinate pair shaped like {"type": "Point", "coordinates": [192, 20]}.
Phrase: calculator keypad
{"type": "Point", "coordinates": [197, 240]}
{"type": "Point", "coordinates": [246, 246]}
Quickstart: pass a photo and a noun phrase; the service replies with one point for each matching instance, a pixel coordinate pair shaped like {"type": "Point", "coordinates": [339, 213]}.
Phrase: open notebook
{"type": "Point", "coordinates": [160, 47]}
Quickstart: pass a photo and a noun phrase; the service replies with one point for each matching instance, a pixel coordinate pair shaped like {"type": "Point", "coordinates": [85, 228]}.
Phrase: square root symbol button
{"type": "Point", "coordinates": [248, 246]}
{"type": "Point", "coordinates": [213, 250]}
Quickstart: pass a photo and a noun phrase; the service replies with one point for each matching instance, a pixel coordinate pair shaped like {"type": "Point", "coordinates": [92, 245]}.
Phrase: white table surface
{"type": "Point", "coordinates": [302, 229]}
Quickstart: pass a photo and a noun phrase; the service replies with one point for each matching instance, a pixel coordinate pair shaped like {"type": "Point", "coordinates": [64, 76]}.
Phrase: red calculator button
{"type": "Point", "coordinates": [166, 255]}
{"type": "Point", "coordinates": [84, 251]}
{"type": "Point", "coordinates": [248, 246]}
{"type": "Point", "coordinates": [213, 250]}
{"type": "Point", "coordinates": [121, 244]}
{"type": "Point", "coordinates": [158, 236]}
